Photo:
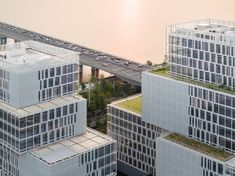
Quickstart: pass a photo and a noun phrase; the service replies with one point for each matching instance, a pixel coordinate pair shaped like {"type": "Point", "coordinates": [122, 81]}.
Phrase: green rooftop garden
{"type": "Point", "coordinates": [199, 146]}
{"type": "Point", "coordinates": [222, 88]}
{"type": "Point", "coordinates": [132, 104]}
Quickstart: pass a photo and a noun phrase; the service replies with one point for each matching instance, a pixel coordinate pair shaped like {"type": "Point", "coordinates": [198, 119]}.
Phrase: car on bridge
{"type": "Point", "coordinates": [104, 64]}
{"type": "Point", "coordinates": [126, 63]}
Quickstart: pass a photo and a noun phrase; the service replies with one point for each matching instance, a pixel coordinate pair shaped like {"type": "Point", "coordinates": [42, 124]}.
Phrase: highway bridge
{"type": "Point", "coordinates": [124, 69]}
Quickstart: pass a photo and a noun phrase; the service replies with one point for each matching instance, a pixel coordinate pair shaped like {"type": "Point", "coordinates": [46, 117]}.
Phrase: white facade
{"type": "Point", "coordinates": [159, 106]}
{"type": "Point", "coordinates": [40, 109]}
{"type": "Point", "coordinates": [190, 109]}
{"type": "Point", "coordinates": [31, 72]}
{"type": "Point", "coordinates": [43, 123]}
{"type": "Point", "coordinates": [203, 50]}
{"type": "Point", "coordinates": [91, 153]}
{"type": "Point", "coordinates": [135, 140]}
{"type": "Point", "coordinates": [178, 160]}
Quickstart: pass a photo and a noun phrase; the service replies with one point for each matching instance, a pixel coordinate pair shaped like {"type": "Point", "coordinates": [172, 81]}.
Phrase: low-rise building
{"type": "Point", "coordinates": [135, 138]}
{"type": "Point", "coordinates": [43, 120]}
{"type": "Point", "coordinates": [89, 154]}
{"type": "Point", "coordinates": [181, 156]}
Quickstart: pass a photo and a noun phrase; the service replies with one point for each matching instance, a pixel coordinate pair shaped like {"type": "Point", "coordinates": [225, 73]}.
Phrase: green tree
{"type": "Point", "coordinates": [83, 86]}
{"type": "Point", "coordinates": [149, 63]}
{"type": "Point", "coordinates": [164, 62]}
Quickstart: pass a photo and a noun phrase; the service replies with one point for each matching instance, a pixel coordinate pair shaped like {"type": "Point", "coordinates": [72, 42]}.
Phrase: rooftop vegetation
{"type": "Point", "coordinates": [199, 146]}
{"type": "Point", "coordinates": [164, 72]}
{"type": "Point", "coordinates": [132, 104]}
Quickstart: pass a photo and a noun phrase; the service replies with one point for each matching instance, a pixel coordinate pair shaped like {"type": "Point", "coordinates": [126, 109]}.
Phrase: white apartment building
{"type": "Point", "coordinates": [199, 110]}
{"type": "Point", "coordinates": [191, 96]}
{"type": "Point", "coordinates": [203, 50]}
{"type": "Point", "coordinates": [181, 156]}
{"type": "Point", "coordinates": [135, 138]}
{"type": "Point", "coordinates": [39, 107]}
{"type": "Point", "coordinates": [89, 154]}
{"type": "Point", "coordinates": [32, 72]}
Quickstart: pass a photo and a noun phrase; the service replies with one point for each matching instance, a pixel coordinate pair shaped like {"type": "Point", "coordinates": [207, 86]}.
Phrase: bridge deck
{"type": "Point", "coordinates": [117, 66]}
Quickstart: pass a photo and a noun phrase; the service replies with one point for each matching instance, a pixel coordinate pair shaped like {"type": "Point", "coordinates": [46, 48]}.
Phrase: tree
{"type": "Point", "coordinates": [164, 62]}
{"type": "Point", "coordinates": [149, 63]}
{"type": "Point", "coordinates": [83, 86]}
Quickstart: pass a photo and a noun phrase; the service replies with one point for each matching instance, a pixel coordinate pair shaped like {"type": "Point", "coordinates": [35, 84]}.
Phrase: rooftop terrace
{"type": "Point", "coordinates": [164, 72]}
{"type": "Point", "coordinates": [199, 147]}
{"type": "Point", "coordinates": [133, 104]}
{"type": "Point", "coordinates": [36, 108]}
{"type": "Point", "coordinates": [207, 25]}
{"type": "Point", "coordinates": [73, 146]}
{"type": "Point", "coordinates": [32, 53]}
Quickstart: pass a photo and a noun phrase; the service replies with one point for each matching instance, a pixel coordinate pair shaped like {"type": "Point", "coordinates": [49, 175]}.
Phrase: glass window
{"type": "Point", "coordinates": [45, 84]}
{"type": "Point", "coordinates": [58, 112]}
{"type": "Point", "coordinates": [29, 131]}
{"type": "Point", "coordinates": [52, 72]}
{"type": "Point", "coordinates": [36, 118]}
{"type": "Point", "coordinates": [58, 71]}
{"type": "Point", "coordinates": [64, 69]}
{"type": "Point", "coordinates": [212, 47]}
{"type": "Point", "coordinates": [44, 116]}
{"type": "Point", "coordinates": [50, 125]}
{"type": "Point", "coordinates": [70, 68]}
{"type": "Point", "coordinates": [22, 122]}
{"type": "Point", "coordinates": [51, 135]}
{"type": "Point", "coordinates": [50, 82]}
{"type": "Point", "coordinates": [71, 108]}
{"type": "Point", "coordinates": [65, 110]}
{"type": "Point", "coordinates": [43, 127]}
{"type": "Point", "coordinates": [57, 81]}
{"type": "Point", "coordinates": [218, 48]}
{"type": "Point", "coordinates": [195, 54]}
{"type": "Point", "coordinates": [51, 115]}
{"type": "Point", "coordinates": [220, 168]}
{"type": "Point", "coordinates": [190, 43]}
{"type": "Point", "coordinates": [46, 73]}
{"type": "Point", "coordinates": [29, 120]}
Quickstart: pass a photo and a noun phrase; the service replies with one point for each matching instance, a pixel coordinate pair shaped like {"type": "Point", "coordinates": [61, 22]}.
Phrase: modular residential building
{"type": "Point", "coordinates": [181, 156]}
{"type": "Point", "coordinates": [40, 111]}
{"type": "Point", "coordinates": [135, 138]}
{"type": "Point", "coordinates": [191, 105]}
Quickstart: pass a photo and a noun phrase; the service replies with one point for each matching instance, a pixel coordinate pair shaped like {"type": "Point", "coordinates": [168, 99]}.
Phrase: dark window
{"type": "Point", "coordinates": [51, 115]}
{"type": "Point", "coordinates": [44, 116]}
{"type": "Point", "coordinates": [29, 120]}
{"type": "Point", "coordinates": [58, 71]}
{"type": "Point", "coordinates": [65, 110]}
{"type": "Point", "coordinates": [36, 118]}
{"type": "Point", "coordinates": [220, 168]}
{"type": "Point", "coordinates": [50, 82]}
{"type": "Point", "coordinates": [71, 108]}
{"type": "Point", "coordinates": [52, 72]}
{"type": "Point", "coordinates": [46, 73]}
{"type": "Point", "coordinates": [58, 112]}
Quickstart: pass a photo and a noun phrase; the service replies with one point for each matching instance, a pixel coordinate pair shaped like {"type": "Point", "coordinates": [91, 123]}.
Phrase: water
{"type": "Point", "coordinates": [134, 29]}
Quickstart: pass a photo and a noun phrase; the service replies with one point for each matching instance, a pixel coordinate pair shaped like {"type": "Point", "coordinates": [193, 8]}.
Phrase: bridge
{"type": "Point", "coordinates": [124, 69]}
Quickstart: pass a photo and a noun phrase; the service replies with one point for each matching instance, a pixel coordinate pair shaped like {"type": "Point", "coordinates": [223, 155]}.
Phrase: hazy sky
{"type": "Point", "coordinates": [134, 29]}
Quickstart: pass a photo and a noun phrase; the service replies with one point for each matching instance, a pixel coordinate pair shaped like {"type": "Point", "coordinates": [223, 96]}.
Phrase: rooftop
{"type": "Point", "coordinates": [207, 25]}
{"type": "Point", "coordinates": [36, 108]}
{"type": "Point", "coordinates": [164, 72]}
{"type": "Point", "coordinates": [133, 104]}
{"type": "Point", "coordinates": [73, 146]}
{"type": "Point", "coordinates": [199, 147]}
{"type": "Point", "coordinates": [31, 53]}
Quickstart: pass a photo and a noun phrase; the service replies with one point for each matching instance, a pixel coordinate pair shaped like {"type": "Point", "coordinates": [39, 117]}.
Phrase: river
{"type": "Point", "coordinates": [134, 29]}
